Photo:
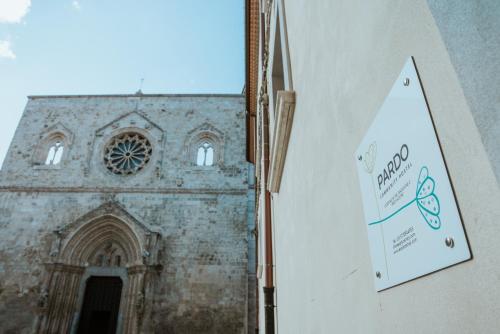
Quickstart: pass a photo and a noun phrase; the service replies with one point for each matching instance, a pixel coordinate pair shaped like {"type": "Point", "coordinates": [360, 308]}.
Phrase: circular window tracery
{"type": "Point", "coordinates": [127, 153]}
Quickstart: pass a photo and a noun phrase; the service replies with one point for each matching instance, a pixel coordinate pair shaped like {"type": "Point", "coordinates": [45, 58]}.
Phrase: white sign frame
{"type": "Point", "coordinates": [413, 221]}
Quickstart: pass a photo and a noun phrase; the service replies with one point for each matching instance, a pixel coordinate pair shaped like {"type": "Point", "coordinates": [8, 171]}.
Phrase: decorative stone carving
{"type": "Point", "coordinates": [109, 140]}
{"type": "Point", "coordinates": [127, 153]}
{"type": "Point", "coordinates": [111, 255]}
{"type": "Point", "coordinates": [106, 237]}
{"type": "Point", "coordinates": [201, 134]}
{"type": "Point", "coordinates": [43, 299]}
{"type": "Point", "coordinates": [56, 245]}
{"type": "Point", "coordinates": [56, 133]}
{"type": "Point", "coordinates": [139, 304]}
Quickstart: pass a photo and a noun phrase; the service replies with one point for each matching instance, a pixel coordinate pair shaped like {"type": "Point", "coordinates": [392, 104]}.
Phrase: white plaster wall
{"type": "Point", "coordinates": [471, 31]}
{"type": "Point", "coordinates": [345, 56]}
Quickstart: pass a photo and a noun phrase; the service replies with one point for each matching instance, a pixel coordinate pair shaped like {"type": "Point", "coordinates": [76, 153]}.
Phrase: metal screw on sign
{"type": "Point", "coordinates": [449, 242]}
{"type": "Point", "coordinates": [378, 274]}
{"type": "Point", "coordinates": [406, 82]}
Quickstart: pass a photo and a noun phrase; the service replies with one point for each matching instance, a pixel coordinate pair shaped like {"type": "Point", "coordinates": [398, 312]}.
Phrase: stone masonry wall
{"type": "Point", "coordinates": [202, 213]}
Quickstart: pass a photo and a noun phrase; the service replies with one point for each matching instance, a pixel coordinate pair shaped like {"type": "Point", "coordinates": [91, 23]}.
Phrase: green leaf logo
{"type": "Point", "coordinates": [427, 201]}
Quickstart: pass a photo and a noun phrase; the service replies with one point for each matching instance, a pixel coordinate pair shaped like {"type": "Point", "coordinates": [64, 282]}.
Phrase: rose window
{"type": "Point", "coordinates": [127, 154]}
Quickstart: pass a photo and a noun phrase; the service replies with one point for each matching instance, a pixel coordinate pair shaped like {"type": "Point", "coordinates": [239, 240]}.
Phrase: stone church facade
{"type": "Point", "coordinates": [131, 212]}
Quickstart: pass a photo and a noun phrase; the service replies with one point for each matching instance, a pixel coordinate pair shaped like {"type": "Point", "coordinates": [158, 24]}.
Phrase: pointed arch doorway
{"type": "Point", "coordinates": [103, 271]}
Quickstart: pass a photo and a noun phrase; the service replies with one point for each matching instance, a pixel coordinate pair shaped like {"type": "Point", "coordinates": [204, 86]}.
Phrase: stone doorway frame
{"type": "Point", "coordinates": [72, 261]}
{"type": "Point", "coordinates": [100, 272]}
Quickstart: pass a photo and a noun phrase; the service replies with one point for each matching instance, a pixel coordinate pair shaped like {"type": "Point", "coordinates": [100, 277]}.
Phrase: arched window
{"type": "Point", "coordinates": [53, 147]}
{"type": "Point", "coordinates": [55, 153]}
{"type": "Point", "coordinates": [204, 147]}
{"type": "Point", "coordinates": [205, 156]}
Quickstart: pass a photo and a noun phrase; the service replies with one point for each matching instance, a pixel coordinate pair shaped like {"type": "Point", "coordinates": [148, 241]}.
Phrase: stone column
{"type": "Point", "coordinates": [134, 303]}
{"type": "Point", "coordinates": [59, 298]}
{"type": "Point", "coordinates": [149, 285]}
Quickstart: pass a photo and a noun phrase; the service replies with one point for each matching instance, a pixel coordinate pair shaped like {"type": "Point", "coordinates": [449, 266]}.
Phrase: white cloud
{"type": "Point", "coordinates": [5, 50]}
{"type": "Point", "coordinates": [12, 11]}
{"type": "Point", "coordinates": [76, 5]}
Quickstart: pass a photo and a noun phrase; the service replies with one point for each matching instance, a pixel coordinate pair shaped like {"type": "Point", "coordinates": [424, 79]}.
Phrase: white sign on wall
{"type": "Point", "coordinates": [414, 227]}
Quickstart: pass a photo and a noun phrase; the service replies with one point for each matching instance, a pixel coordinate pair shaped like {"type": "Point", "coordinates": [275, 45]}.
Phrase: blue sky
{"type": "Point", "coordinates": [107, 46]}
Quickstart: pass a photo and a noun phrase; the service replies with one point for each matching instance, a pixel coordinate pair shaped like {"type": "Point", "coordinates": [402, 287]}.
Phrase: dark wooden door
{"type": "Point", "coordinates": [100, 305]}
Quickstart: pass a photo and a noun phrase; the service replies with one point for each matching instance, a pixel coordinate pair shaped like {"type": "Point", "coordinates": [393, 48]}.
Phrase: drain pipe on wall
{"type": "Point", "coordinates": [269, 266]}
{"type": "Point", "coordinates": [269, 307]}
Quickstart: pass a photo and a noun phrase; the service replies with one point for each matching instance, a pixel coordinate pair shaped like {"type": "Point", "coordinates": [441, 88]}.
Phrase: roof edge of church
{"type": "Point", "coordinates": [31, 97]}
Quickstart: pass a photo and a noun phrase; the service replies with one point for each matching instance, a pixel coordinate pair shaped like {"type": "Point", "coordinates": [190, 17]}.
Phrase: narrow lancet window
{"type": "Point", "coordinates": [55, 153]}
{"type": "Point", "coordinates": [205, 155]}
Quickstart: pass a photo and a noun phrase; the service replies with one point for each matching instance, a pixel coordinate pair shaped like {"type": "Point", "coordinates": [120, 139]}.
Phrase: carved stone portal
{"type": "Point", "coordinates": [106, 242]}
